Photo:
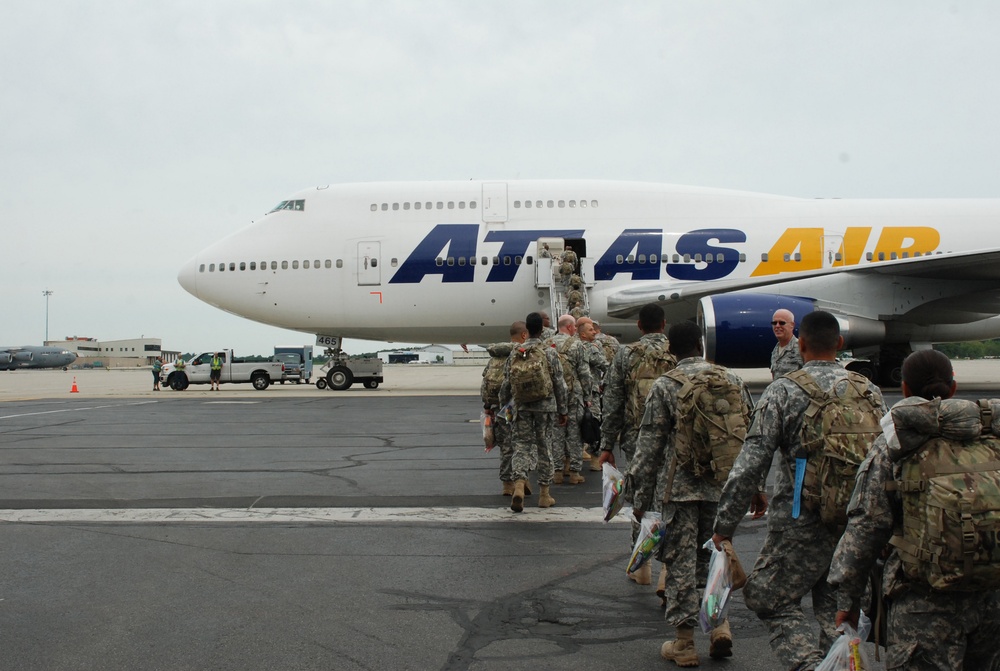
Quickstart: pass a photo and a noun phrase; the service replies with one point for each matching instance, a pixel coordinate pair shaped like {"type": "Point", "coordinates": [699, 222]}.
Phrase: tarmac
{"type": "Point", "coordinates": [298, 528]}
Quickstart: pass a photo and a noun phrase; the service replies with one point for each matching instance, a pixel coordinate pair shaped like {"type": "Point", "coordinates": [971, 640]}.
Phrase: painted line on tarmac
{"type": "Point", "coordinates": [576, 515]}
{"type": "Point", "coordinates": [93, 407]}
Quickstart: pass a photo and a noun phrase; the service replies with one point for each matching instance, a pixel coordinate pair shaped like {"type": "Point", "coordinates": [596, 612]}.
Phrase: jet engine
{"type": "Point", "coordinates": [5, 357]}
{"type": "Point", "coordinates": [23, 357]}
{"type": "Point", "coordinates": [738, 334]}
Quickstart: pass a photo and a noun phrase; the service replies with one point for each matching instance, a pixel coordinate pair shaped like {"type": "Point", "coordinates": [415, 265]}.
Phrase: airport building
{"type": "Point", "coordinates": [132, 353]}
{"type": "Point", "coordinates": [438, 354]}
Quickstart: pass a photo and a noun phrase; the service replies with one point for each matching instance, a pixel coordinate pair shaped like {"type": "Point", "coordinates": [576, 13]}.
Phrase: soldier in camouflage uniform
{"type": "Point", "coordinates": [499, 353]}
{"type": "Point", "coordinates": [568, 449]}
{"type": "Point", "coordinates": [547, 330]}
{"type": "Point", "coordinates": [617, 429]}
{"type": "Point", "coordinates": [785, 358]}
{"type": "Point", "coordinates": [688, 508]}
{"type": "Point", "coordinates": [928, 629]}
{"type": "Point", "coordinates": [796, 554]}
{"type": "Point", "coordinates": [598, 367]}
{"type": "Point", "coordinates": [608, 343]}
{"type": "Point", "coordinates": [535, 423]}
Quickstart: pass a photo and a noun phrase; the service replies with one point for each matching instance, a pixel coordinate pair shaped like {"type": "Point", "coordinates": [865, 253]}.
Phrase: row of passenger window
{"type": "Point", "coordinates": [553, 203]}
{"type": "Point", "coordinates": [429, 205]}
{"type": "Point", "coordinates": [274, 265]}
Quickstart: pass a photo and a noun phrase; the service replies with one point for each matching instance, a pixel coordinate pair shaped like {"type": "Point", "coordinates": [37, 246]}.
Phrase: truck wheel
{"type": "Point", "coordinates": [371, 384]}
{"type": "Point", "coordinates": [177, 381]}
{"type": "Point", "coordinates": [260, 381]}
{"type": "Point", "coordinates": [321, 383]}
{"type": "Point", "coordinates": [340, 378]}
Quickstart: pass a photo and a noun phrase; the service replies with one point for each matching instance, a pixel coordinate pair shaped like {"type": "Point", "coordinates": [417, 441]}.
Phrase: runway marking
{"type": "Point", "coordinates": [231, 402]}
{"type": "Point", "coordinates": [298, 515]}
{"type": "Point", "coordinates": [93, 407]}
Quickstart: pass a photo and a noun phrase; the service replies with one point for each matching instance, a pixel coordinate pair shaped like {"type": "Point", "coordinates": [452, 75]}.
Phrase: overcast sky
{"type": "Point", "coordinates": [133, 134]}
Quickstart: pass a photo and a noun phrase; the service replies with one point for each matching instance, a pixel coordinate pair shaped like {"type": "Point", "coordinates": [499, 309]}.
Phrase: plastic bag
{"type": "Point", "coordinates": [650, 538]}
{"type": "Point", "coordinates": [612, 485]}
{"type": "Point", "coordinates": [718, 588]}
{"type": "Point", "coordinates": [486, 421]}
{"type": "Point", "coordinates": [847, 653]}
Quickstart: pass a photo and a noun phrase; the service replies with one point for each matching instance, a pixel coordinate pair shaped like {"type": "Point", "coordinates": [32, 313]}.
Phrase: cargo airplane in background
{"type": "Point", "coordinates": [34, 356]}
{"type": "Point", "coordinates": [457, 262]}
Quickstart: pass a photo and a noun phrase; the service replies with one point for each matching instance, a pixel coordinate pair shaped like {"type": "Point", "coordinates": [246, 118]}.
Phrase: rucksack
{"type": "Point", "coordinates": [711, 424]}
{"type": "Point", "coordinates": [530, 376]}
{"type": "Point", "coordinates": [493, 373]}
{"type": "Point", "coordinates": [838, 429]}
{"type": "Point", "coordinates": [647, 362]}
{"type": "Point", "coordinates": [562, 349]}
{"type": "Point", "coordinates": [948, 456]}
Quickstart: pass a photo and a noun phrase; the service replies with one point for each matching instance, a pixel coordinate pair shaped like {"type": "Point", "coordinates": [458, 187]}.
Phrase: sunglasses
{"type": "Point", "coordinates": [778, 323]}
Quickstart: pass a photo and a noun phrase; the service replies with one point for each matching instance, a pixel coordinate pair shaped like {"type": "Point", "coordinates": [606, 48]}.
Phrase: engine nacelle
{"type": "Point", "coordinates": [738, 333]}
{"type": "Point", "coordinates": [23, 357]}
{"type": "Point", "coordinates": [5, 357]}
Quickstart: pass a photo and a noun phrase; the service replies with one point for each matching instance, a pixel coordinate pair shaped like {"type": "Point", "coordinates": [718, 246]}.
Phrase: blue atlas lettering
{"type": "Point", "coordinates": [460, 239]}
{"type": "Point", "coordinates": [620, 257]}
{"type": "Point", "coordinates": [696, 245]}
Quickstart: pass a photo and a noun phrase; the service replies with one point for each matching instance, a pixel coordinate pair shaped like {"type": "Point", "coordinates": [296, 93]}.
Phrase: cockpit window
{"type": "Point", "coordinates": [297, 205]}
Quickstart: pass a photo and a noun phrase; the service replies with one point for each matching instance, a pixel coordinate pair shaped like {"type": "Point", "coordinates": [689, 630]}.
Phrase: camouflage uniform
{"type": "Point", "coordinates": [693, 500]}
{"type": "Point", "coordinates": [610, 345]}
{"type": "Point", "coordinates": [796, 554]}
{"type": "Point", "coordinates": [499, 353]}
{"type": "Point", "coordinates": [786, 360]}
{"type": "Point", "coordinates": [598, 368]}
{"type": "Point", "coordinates": [535, 424]}
{"type": "Point", "coordinates": [569, 443]}
{"type": "Point", "coordinates": [615, 430]}
{"type": "Point", "coordinates": [928, 629]}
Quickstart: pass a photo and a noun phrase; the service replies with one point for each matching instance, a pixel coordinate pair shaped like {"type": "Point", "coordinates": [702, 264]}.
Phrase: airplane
{"type": "Point", "coordinates": [33, 356]}
{"type": "Point", "coordinates": [457, 262]}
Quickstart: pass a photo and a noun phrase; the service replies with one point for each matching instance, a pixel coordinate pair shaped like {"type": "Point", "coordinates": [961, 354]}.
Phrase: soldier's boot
{"type": "Point", "coordinates": [576, 477]}
{"type": "Point", "coordinates": [565, 470]}
{"type": "Point", "coordinates": [557, 478]}
{"type": "Point", "coordinates": [644, 576]}
{"type": "Point", "coordinates": [681, 651]}
{"type": "Point", "coordinates": [721, 641]}
{"type": "Point", "coordinates": [586, 453]}
{"type": "Point", "coordinates": [661, 586]}
{"type": "Point", "coordinates": [545, 499]}
{"type": "Point", "coordinates": [517, 498]}
{"type": "Point", "coordinates": [527, 488]}
{"type": "Point", "coordinates": [508, 488]}
{"type": "Point", "coordinates": [595, 464]}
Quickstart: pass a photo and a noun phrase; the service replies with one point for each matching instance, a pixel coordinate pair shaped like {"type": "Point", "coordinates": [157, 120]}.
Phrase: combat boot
{"type": "Point", "coordinates": [508, 488]}
{"type": "Point", "coordinates": [557, 478]}
{"type": "Point", "coordinates": [576, 478]}
{"type": "Point", "coordinates": [681, 651]}
{"type": "Point", "coordinates": [721, 641]}
{"type": "Point", "coordinates": [545, 499]}
{"type": "Point", "coordinates": [517, 499]}
{"type": "Point", "coordinates": [644, 576]}
{"type": "Point", "coordinates": [661, 586]}
{"type": "Point", "coordinates": [595, 464]}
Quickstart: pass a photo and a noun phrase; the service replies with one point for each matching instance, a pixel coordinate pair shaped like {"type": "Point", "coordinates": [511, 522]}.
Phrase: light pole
{"type": "Point", "coordinates": [46, 293]}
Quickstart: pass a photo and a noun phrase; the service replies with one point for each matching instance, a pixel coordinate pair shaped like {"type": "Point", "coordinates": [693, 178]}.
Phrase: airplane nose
{"type": "Point", "coordinates": [188, 277]}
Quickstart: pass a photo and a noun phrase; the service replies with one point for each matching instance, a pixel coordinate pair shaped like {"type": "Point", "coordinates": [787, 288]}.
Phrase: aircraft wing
{"type": "Point", "coordinates": [981, 267]}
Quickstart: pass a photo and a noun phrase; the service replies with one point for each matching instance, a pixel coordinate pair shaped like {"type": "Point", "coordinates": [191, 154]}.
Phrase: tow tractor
{"type": "Point", "coordinates": [340, 372]}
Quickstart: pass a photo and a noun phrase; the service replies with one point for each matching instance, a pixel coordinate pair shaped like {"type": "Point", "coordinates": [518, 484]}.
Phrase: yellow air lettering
{"type": "Point", "coordinates": [906, 239]}
{"type": "Point", "coordinates": [853, 246]}
{"type": "Point", "coordinates": [805, 241]}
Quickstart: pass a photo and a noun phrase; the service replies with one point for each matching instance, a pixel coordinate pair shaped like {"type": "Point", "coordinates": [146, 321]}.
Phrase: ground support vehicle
{"type": "Point", "coordinates": [340, 372]}
{"type": "Point", "coordinates": [298, 363]}
{"type": "Point", "coordinates": [198, 371]}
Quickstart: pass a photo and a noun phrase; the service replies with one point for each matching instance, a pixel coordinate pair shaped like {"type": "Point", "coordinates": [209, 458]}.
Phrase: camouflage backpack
{"type": "Point", "coordinates": [948, 468]}
{"type": "Point", "coordinates": [647, 362]}
{"type": "Point", "coordinates": [493, 373]}
{"type": "Point", "coordinates": [838, 429]}
{"type": "Point", "coordinates": [563, 348]}
{"type": "Point", "coordinates": [530, 376]}
{"type": "Point", "coordinates": [711, 424]}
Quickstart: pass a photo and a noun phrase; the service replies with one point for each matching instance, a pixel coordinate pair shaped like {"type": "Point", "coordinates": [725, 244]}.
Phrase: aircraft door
{"type": "Point", "coordinates": [494, 202]}
{"type": "Point", "coordinates": [369, 273]}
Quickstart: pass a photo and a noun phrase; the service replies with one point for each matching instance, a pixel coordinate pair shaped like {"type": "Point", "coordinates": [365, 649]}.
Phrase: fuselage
{"type": "Point", "coordinates": [457, 262]}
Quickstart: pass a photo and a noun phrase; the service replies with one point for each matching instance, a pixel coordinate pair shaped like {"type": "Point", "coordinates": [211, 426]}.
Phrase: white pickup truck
{"type": "Point", "coordinates": [198, 371]}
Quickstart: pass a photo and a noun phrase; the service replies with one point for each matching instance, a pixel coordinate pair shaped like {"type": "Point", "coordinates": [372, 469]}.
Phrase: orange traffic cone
{"type": "Point", "coordinates": [74, 390]}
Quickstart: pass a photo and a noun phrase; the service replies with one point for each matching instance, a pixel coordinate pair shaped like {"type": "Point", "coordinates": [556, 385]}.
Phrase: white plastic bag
{"type": "Point", "coordinates": [718, 588]}
{"type": "Point", "coordinates": [612, 484]}
{"type": "Point", "coordinates": [847, 653]}
{"type": "Point", "coordinates": [650, 538]}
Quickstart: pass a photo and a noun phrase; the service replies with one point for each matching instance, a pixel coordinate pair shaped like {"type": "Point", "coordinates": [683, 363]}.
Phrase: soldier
{"type": "Point", "coordinates": [533, 379]}
{"type": "Point", "coordinates": [608, 343]}
{"type": "Point", "coordinates": [629, 379]}
{"type": "Point", "coordinates": [785, 357]}
{"type": "Point", "coordinates": [568, 450]}
{"type": "Point", "coordinates": [670, 451]}
{"type": "Point", "coordinates": [598, 367]}
{"type": "Point", "coordinates": [489, 390]}
{"type": "Point", "coordinates": [928, 628]}
{"type": "Point", "coordinates": [797, 551]}
{"type": "Point", "coordinates": [547, 330]}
